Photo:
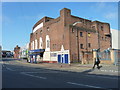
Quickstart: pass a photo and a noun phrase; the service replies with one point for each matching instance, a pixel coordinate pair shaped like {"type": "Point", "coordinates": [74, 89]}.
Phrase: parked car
{"type": "Point", "coordinates": [7, 54]}
{"type": "Point", "coordinates": [3, 54]}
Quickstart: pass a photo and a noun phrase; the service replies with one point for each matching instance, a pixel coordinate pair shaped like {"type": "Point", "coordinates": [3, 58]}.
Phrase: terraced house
{"type": "Point", "coordinates": [68, 38]}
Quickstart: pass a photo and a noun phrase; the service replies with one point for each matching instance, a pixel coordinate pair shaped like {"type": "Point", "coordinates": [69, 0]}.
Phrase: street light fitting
{"type": "Point", "coordinates": [76, 23]}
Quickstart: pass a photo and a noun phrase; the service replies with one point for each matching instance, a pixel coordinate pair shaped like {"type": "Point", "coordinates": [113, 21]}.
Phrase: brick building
{"type": "Point", "coordinates": [16, 52]}
{"type": "Point", "coordinates": [69, 38]}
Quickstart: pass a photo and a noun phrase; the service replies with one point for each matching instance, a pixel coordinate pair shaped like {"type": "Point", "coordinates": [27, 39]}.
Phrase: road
{"type": "Point", "coordinates": [20, 76]}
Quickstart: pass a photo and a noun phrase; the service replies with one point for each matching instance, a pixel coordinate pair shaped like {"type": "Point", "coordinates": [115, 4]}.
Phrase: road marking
{"type": "Point", "coordinates": [47, 72]}
{"type": "Point", "coordinates": [33, 76]}
{"type": "Point", "coordinates": [83, 85]}
{"type": "Point", "coordinates": [101, 76]}
{"type": "Point", "coordinates": [1, 62]}
{"type": "Point", "coordinates": [3, 66]}
{"type": "Point", "coordinates": [9, 69]}
{"type": "Point", "coordinates": [109, 71]}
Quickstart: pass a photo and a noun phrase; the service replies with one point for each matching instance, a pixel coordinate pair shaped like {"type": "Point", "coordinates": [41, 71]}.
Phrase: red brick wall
{"type": "Point", "coordinates": [60, 33]}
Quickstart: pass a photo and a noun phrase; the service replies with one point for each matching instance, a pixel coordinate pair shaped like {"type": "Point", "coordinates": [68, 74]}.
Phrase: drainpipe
{"type": "Point", "coordinates": [78, 45]}
{"type": "Point", "coordinates": [98, 38]}
{"type": "Point", "coordinates": [87, 45]}
{"type": "Point", "coordinates": [77, 38]}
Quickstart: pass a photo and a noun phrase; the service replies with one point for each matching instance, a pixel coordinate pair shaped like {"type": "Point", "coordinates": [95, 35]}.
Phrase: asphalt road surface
{"type": "Point", "coordinates": [21, 76]}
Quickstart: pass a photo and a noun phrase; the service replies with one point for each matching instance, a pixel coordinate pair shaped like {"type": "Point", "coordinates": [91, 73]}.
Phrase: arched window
{"type": "Point", "coordinates": [41, 43]}
{"type": "Point", "coordinates": [31, 46]}
{"type": "Point", "coordinates": [47, 43]}
{"type": "Point", "coordinates": [35, 43]}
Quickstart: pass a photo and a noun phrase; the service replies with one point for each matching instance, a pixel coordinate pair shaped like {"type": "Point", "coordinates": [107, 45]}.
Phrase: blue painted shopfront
{"type": "Point", "coordinates": [33, 54]}
{"type": "Point", "coordinates": [62, 58]}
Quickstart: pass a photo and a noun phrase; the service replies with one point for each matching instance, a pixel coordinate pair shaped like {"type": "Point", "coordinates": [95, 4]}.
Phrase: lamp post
{"type": "Point", "coordinates": [77, 38]}
{"type": "Point", "coordinates": [0, 52]}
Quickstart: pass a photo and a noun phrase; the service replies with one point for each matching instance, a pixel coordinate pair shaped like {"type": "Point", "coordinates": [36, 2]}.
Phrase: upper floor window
{"type": "Point", "coordinates": [72, 30]}
{"type": "Point", "coordinates": [93, 27]}
{"type": "Point", "coordinates": [40, 31]}
{"type": "Point", "coordinates": [102, 38]}
{"type": "Point", "coordinates": [81, 46]}
{"type": "Point", "coordinates": [81, 34]}
{"type": "Point", "coordinates": [36, 44]}
{"type": "Point", "coordinates": [89, 34]}
{"type": "Point", "coordinates": [40, 43]}
{"type": "Point", "coordinates": [89, 45]}
{"type": "Point", "coordinates": [105, 38]}
{"type": "Point", "coordinates": [54, 46]}
{"type": "Point", "coordinates": [48, 28]}
{"type": "Point", "coordinates": [36, 34]}
{"type": "Point", "coordinates": [101, 27]}
{"type": "Point", "coordinates": [48, 44]}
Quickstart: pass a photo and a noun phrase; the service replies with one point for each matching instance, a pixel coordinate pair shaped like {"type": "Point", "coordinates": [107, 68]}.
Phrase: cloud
{"type": "Point", "coordinates": [106, 10]}
{"type": "Point", "coordinates": [111, 15]}
{"type": "Point", "coordinates": [99, 6]}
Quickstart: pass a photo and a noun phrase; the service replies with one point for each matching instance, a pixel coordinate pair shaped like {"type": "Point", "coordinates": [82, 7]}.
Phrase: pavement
{"type": "Point", "coordinates": [106, 69]}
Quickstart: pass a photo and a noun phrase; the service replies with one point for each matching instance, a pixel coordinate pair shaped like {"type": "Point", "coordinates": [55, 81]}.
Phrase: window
{"type": "Point", "coordinates": [93, 27]}
{"type": "Point", "coordinates": [33, 45]}
{"type": "Point", "coordinates": [81, 46]}
{"type": "Point", "coordinates": [53, 54]}
{"type": "Point", "coordinates": [48, 28]}
{"type": "Point", "coordinates": [72, 30]}
{"type": "Point", "coordinates": [102, 38]}
{"type": "Point", "coordinates": [63, 36]}
{"type": "Point", "coordinates": [89, 45]}
{"type": "Point", "coordinates": [81, 34]}
{"type": "Point", "coordinates": [47, 20]}
{"type": "Point", "coordinates": [40, 43]}
{"type": "Point", "coordinates": [36, 44]}
{"type": "Point", "coordinates": [67, 13]}
{"type": "Point", "coordinates": [36, 34]}
{"type": "Point", "coordinates": [48, 44]}
{"type": "Point", "coordinates": [40, 31]}
{"type": "Point", "coordinates": [88, 34]}
{"type": "Point", "coordinates": [101, 27]}
{"type": "Point", "coordinates": [81, 20]}
{"type": "Point", "coordinates": [54, 46]}
{"type": "Point", "coordinates": [105, 38]}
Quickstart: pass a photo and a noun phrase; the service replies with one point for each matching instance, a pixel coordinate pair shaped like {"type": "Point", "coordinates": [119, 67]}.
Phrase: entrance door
{"type": "Point", "coordinates": [66, 58]}
{"type": "Point", "coordinates": [63, 58]}
{"type": "Point", "coordinates": [59, 58]}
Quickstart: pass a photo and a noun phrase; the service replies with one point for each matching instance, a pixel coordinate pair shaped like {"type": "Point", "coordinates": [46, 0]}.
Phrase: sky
{"type": "Point", "coordinates": [18, 18]}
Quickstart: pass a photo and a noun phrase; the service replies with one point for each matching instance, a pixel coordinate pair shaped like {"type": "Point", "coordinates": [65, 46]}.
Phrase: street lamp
{"type": "Point", "coordinates": [76, 23]}
{"type": "Point", "coordinates": [0, 51]}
